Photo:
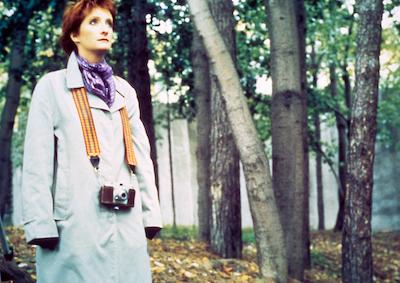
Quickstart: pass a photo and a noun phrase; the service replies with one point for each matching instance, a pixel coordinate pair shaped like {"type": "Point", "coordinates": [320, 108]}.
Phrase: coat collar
{"type": "Point", "coordinates": [75, 80]}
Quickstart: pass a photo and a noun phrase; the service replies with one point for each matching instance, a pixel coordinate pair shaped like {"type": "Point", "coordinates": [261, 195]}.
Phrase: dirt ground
{"type": "Point", "coordinates": [192, 261]}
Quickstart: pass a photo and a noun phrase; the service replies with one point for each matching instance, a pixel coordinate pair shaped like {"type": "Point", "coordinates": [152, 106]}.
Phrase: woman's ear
{"type": "Point", "coordinates": [74, 37]}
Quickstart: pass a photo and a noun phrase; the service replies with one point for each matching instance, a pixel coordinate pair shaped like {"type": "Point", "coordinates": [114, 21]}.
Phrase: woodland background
{"type": "Point", "coordinates": [162, 55]}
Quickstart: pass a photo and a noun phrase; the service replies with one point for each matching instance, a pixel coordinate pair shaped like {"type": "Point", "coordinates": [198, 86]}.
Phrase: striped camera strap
{"type": "Point", "coordinates": [89, 130]}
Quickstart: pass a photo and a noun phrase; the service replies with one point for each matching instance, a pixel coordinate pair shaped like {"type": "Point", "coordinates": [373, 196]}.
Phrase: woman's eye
{"type": "Point", "coordinates": [92, 22]}
{"type": "Point", "coordinates": [110, 24]}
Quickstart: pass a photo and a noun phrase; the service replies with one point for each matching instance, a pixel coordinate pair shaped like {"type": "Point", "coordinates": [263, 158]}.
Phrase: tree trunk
{"type": "Point", "coordinates": [271, 253]}
{"type": "Point", "coordinates": [356, 241]}
{"type": "Point", "coordinates": [225, 224]}
{"type": "Point", "coordinates": [342, 149]}
{"type": "Point", "coordinates": [23, 13]}
{"type": "Point", "coordinates": [8, 115]}
{"type": "Point", "coordinates": [171, 163]}
{"type": "Point", "coordinates": [317, 138]}
{"type": "Point", "coordinates": [318, 161]}
{"type": "Point", "coordinates": [138, 72]}
{"type": "Point", "coordinates": [201, 90]}
{"type": "Point", "coordinates": [288, 121]}
{"type": "Point", "coordinates": [345, 125]}
{"type": "Point", "coordinates": [303, 178]}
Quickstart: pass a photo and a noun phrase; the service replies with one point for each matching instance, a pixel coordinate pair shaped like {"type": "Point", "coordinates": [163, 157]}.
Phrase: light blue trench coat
{"type": "Point", "coordinates": [60, 189]}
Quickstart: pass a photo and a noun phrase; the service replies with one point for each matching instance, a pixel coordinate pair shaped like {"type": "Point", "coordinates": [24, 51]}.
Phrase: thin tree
{"type": "Point", "coordinates": [356, 242]}
{"type": "Point", "coordinates": [20, 22]}
{"type": "Point", "coordinates": [341, 125]}
{"type": "Point", "coordinates": [225, 218]}
{"type": "Point", "coordinates": [271, 253]}
{"type": "Point", "coordinates": [346, 120]}
{"type": "Point", "coordinates": [171, 162]}
{"type": "Point", "coordinates": [133, 36]}
{"type": "Point", "coordinates": [290, 168]}
{"type": "Point", "coordinates": [201, 90]}
{"type": "Point", "coordinates": [303, 156]}
{"type": "Point", "coordinates": [317, 140]}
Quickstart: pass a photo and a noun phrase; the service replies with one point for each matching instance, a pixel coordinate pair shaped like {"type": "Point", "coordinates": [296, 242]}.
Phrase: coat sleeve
{"type": "Point", "coordinates": [144, 169]}
{"type": "Point", "coordinates": [38, 165]}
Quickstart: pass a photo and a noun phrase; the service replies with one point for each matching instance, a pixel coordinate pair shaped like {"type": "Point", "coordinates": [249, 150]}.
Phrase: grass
{"type": "Point", "coordinates": [184, 233]}
{"type": "Point", "coordinates": [181, 233]}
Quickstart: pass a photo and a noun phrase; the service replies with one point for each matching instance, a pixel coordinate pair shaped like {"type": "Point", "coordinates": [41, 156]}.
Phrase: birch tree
{"type": "Point", "coordinates": [271, 255]}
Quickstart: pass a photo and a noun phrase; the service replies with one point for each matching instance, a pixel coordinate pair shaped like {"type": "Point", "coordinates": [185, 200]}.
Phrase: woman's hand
{"type": "Point", "coordinates": [151, 232]}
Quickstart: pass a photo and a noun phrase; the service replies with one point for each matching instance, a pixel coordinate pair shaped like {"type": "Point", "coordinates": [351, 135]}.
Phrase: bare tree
{"type": "Point", "coordinates": [267, 228]}
{"type": "Point", "coordinates": [356, 241]}
{"type": "Point", "coordinates": [20, 20]}
{"type": "Point", "coordinates": [225, 218]}
{"type": "Point", "coordinates": [201, 90]}
{"type": "Point", "coordinates": [132, 33]}
{"type": "Point", "coordinates": [289, 149]}
{"type": "Point", "coordinates": [341, 125]}
{"type": "Point", "coordinates": [317, 140]}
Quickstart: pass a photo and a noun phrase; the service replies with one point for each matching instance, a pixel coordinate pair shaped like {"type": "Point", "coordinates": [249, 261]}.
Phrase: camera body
{"type": "Point", "coordinates": [117, 197]}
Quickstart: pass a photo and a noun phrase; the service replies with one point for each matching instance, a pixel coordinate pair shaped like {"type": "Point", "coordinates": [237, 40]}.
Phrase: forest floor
{"type": "Point", "coordinates": [182, 259]}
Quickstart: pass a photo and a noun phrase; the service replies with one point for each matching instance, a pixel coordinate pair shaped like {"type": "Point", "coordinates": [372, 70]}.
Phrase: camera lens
{"type": "Point", "coordinates": [124, 196]}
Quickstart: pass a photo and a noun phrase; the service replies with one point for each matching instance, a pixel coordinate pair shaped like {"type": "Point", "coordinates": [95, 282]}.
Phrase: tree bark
{"type": "Point", "coordinates": [201, 90]}
{"type": "Point", "coordinates": [225, 225]}
{"type": "Point", "coordinates": [9, 112]}
{"type": "Point", "coordinates": [171, 163]}
{"type": "Point", "coordinates": [345, 126]}
{"type": "Point", "coordinates": [318, 161]}
{"type": "Point", "coordinates": [303, 178]}
{"type": "Point", "coordinates": [342, 149]}
{"type": "Point", "coordinates": [290, 168]}
{"type": "Point", "coordinates": [138, 72]}
{"type": "Point", "coordinates": [356, 241]}
{"type": "Point", "coordinates": [268, 232]}
{"type": "Point", "coordinates": [317, 140]}
{"type": "Point", "coordinates": [23, 13]}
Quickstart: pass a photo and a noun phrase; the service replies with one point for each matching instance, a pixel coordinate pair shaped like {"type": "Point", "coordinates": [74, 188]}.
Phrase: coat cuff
{"type": "Point", "coordinates": [37, 229]}
{"type": "Point", "coordinates": [152, 220]}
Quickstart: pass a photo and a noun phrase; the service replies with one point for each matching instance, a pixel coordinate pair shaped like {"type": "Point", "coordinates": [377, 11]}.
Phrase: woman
{"type": "Point", "coordinates": [83, 233]}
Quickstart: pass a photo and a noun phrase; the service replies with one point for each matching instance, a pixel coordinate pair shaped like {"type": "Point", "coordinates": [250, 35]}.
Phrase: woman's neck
{"type": "Point", "coordinates": [91, 57]}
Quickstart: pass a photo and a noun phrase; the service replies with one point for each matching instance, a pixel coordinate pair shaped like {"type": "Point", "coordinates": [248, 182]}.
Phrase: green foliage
{"type": "Point", "coordinates": [330, 33]}
{"type": "Point", "coordinates": [170, 37]}
{"type": "Point", "coordinates": [248, 236]}
{"type": "Point", "coordinates": [318, 259]}
{"type": "Point", "coordinates": [389, 103]}
{"type": "Point", "coordinates": [181, 232]}
{"type": "Point", "coordinates": [330, 28]}
{"type": "Point", "coordinates": [43, 55]}
{"type": "Point", "coordinates": [185, 233]}
{"type": "Point", "coordinates": [252, 55]}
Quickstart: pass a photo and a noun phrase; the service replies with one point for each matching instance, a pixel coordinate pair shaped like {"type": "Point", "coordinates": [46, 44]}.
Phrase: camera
{"type": "Point", "coordinates": [117, 197]}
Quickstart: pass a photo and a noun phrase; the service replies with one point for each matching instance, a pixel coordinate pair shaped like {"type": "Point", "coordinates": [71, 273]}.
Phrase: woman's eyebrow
{"type": "Point", "coordinates": [97, 18]}
{"type": "Point", "coordinates": [93, 18]}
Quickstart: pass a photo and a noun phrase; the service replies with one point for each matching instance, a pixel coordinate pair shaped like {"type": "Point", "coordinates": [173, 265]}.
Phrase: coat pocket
{"type": "Point", "coordinates": [62, 195]}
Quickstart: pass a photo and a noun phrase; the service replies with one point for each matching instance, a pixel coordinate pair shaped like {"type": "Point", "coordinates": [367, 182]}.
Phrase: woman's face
{"type": "Point", "coordinates": [95, 35]}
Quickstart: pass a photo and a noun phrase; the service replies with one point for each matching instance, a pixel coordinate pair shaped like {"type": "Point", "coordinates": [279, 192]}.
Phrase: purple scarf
{"type": "Point", "coordinates": [98, 80]}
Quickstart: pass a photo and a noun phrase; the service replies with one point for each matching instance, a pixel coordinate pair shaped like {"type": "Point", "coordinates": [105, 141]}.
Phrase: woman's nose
{"type": "Point", "coordinates": [106, 29]}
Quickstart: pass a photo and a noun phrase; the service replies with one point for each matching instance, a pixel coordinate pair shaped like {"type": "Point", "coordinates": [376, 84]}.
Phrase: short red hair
{"type": "Point", "coordinates": [75, 13]}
